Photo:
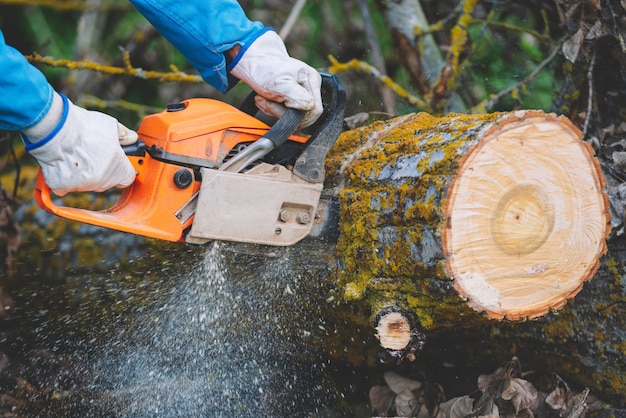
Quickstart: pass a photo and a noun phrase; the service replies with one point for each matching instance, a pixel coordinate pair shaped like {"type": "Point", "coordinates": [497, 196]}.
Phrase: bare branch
{"type": "Point", "coordinates": [590, 94]}
{"type": "Point", "coordinates": [459, 40]}
{"type": "Point", "coordinates": [485, 105]}
{"type": "Point", "coordinates": [377, 56]}
{"type": "Point", "coordinates": [70, 5]}
{"type": "Point", "coordinates": [98, 103]}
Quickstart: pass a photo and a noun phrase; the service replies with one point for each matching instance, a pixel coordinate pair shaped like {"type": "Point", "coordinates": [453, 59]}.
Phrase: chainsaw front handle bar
{"type": "Point", "coordinates": [274, 138]}
{"type": "Point", "coordinates": [324, 132]}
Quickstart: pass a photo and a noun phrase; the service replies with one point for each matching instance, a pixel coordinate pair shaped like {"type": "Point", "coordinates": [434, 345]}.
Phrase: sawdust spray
{"type": "Point", "coordinates": [220, 346]}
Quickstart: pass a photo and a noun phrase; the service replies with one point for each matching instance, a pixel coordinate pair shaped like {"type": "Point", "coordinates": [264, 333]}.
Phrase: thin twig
{"type": "Point", "coordinates": [377, 56]}
{"type": "Point", "coordinates": [98, 103]}
{"type": "Point", "coordinates": [85, 64]}
{"type": "Point", "coordinates": [358, 65]}
{"type": "Point", "coordinates": [512, 28]}
{"type": "Point", "coordinates": [291, 19]}
{"type": "Point", "coordinates": [590, 94]}
{"type": "Point", "coordinates": [489, 102]}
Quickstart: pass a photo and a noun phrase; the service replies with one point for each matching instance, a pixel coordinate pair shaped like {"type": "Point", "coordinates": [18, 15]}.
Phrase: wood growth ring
{"type": "Point", "coordinates": [523, 220]}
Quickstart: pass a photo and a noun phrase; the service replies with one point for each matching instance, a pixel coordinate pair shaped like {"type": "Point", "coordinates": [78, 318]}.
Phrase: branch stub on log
{"type": "Point", "coordinates": [399, 332]}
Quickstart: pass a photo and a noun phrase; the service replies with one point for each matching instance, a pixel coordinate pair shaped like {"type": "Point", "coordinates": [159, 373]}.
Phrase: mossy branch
{"type": "Point", "coordinates": [69, 5]}
{"type": "Point", "coordinates": [358, 65]}
{"type": "Point", "coordinates": [174, 76]}
{"type": "Point", "coordinates": [94, 102]}
{"type": "Point", "coordinates": [515, 28]}
{"type": "Point", "coordinates": [458, 41]}
{"type": "Point", "coordinates": [441, 26]}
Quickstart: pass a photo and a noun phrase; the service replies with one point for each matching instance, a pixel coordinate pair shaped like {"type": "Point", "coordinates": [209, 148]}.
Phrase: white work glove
{"type": "Point", "coordinates": [280, 80]}
{"type": "Point", "coordinates": [79, 150]}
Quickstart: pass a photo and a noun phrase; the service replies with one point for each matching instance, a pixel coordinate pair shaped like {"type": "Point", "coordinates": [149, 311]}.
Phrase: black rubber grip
{"type": "Point", "coordinates": [285, 126]}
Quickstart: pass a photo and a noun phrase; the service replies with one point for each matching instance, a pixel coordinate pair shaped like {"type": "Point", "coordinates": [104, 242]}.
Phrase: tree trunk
{"type": "Point", "coordinates": [505, 210]}
{"type": "Point", "coordinates": [508, 208]}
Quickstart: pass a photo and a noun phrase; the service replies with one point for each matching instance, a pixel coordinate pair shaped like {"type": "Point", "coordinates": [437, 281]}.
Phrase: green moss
{"type": "Point", "coordinates": [611, 265]}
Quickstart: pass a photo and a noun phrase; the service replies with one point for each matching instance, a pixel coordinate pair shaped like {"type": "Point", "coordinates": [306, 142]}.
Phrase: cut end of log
{"type": "Point", "coordinates": [526, 217]}
{"type": "Point", "coordinates": [399, 332]}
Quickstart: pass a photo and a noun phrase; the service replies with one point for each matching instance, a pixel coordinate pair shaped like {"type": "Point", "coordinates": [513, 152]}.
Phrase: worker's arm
{"type": "Point", "coordinates": [77, 149]}
{"type": "Point", "coordinates": [219, 40]}
{"type": "Point", "coordinates": [203, 31]}
{"type": "Point", "coordinates": [26, 94]}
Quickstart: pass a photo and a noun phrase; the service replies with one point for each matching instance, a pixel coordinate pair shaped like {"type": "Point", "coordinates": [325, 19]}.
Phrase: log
{"type": "Point", "coordinates": [507, 208]}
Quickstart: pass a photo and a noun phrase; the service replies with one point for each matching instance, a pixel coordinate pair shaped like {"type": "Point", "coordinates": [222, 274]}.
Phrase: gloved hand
{"type": "Point", "coordinates": [79, 150]}
{"type": "Point", "coordinates": [279, 79]}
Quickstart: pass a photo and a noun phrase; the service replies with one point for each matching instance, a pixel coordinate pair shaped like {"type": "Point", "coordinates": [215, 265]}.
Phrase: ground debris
{"type": "Point", "coordinates": [505, 393]}
{"type": "Point", "coordinates": [9, 232]}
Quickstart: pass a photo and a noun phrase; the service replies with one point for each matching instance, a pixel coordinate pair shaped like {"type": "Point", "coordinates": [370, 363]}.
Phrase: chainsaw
{"type": "Point", "coordinates": [207, 171]}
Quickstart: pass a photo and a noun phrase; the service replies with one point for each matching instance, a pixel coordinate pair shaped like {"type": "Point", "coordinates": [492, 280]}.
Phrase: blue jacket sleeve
{"type": "Point", "coordinates": [25, 94]}
{"type": "Point", "coordinates": [202, 30]}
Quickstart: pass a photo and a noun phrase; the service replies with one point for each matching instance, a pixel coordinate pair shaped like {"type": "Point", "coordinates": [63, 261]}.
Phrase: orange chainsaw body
{"type": "Point", "coordinates": [155, 205]}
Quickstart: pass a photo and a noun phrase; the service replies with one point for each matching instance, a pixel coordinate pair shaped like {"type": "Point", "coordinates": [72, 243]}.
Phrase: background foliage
{"type": "Point", "coordinates": [507, 40]}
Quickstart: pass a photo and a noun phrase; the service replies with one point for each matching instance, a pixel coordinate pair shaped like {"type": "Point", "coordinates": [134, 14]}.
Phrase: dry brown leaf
{"type": "Point", "coordinates": [521, 393]}
{"type": "Point", "coordinates": [456, 408]}
{"type": "Point", "coordinates": [406, 404]}
{"type": "Point", "coordinates": [399, 384]}
{"type": "Point", "coordinates": [557, 399]}
{"type": "Point", "coordinates": [381, 399]}
{"type": "Point", "coordinates": [572, 405]}
{"type": "Point", "coordinates": [485, 380]}
{"type": "Point", "coordinates": [571, 47]}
